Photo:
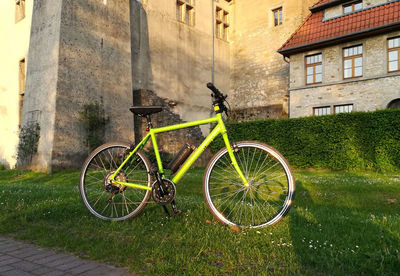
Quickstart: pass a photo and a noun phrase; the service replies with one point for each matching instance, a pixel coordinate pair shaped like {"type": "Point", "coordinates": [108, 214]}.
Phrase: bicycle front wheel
{"type": "Point", "coordinates": [269, 195]}
{"type": "Point", "coordinates": [107, 200]}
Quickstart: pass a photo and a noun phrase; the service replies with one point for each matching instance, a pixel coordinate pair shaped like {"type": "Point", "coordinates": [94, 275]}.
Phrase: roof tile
{"type": "Point", "coordinates": [315, 29]}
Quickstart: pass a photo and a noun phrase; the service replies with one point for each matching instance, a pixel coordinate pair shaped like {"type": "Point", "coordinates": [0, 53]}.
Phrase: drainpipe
{"type": "Point", "coordinates": [287, 60]}
{"type": "Point", "coordinates": [213, 41]}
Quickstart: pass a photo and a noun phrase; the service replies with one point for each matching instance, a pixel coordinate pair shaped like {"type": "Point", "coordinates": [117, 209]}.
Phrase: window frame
{"type": "Point", "coordinates": [185, 12]}
{"type": "Point", "coordinates": [320, 108]}
{"type": "Point", "coordinates": [352, 58]}
{"type": "Point", "coordinates": [22, 76]}
{"type": "Point", "coordinates": [22, 86]}
{"type": "Point", "coordinates": [332, 109]}
{"type": "Point", "coordinates": [393, 49]}
{"type": "Point", "coordinates": [279, 19]}
{"type": "Point", "coordinates": [222, 24]}
{"type": "Point", "coordinates": [352, 5]}
{"type": "Point", "coordinates": [314, 65]}
{"type": "Point", "coordinates": [342, 105]}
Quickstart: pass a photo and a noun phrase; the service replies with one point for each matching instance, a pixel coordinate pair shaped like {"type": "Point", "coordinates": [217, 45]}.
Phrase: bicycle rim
{"type": "Point", "coordinates": [269, 195]}
{"type": "Point", "coordinates": [109, 201]}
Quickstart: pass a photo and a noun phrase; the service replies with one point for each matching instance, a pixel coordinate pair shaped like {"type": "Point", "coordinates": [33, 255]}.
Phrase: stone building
{"type": "Point", "coordinates": [121, 52]}
{"type": "Point", "coordinates": [15, 25]}
{"type": "Point", "coordinates": [345, 57]}
{"type": "Point", "coordinates": [259, 75]}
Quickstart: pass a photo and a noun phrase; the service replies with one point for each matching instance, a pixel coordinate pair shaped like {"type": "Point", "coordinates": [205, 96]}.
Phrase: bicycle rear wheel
{"type": "Point", "coordinates": [110, 201]}
{"type": "Point", "coordinates": [269, 195]}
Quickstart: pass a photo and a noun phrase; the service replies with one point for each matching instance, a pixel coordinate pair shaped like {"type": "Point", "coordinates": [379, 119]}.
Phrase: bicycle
{"type": "Point", "coordinates": [248, 184]}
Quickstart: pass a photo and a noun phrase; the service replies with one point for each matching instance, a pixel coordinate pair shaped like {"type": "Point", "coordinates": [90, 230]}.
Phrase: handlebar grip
{"type": "Point", "coordinates": [212, 87]}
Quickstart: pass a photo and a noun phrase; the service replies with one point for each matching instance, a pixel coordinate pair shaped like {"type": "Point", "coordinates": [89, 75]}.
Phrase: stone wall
{"type": "Point", "coordinates": [374, 90]}
{"type": "Point", "coordinates": [86, 51]}
{"type": "Point", "coordinates": [94, 65]}
{"type": "Point", "coordinates": [256, 113]}
{"type": "Point", "coordinates": [173, 59]}
{"type": "Point", "coordinates": [170, 142]}
{"type": "Point", "coordinates": [171, 64]}
{"type": "Point", "coordinates": [80, 53]}
{"type": "Point", "coordinates": [259, 75]}
{"type": "Point", "coordinates": [41, 84]}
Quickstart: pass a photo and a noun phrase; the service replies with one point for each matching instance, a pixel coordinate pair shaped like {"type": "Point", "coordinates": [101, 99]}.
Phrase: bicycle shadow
{"type": "Point", "coordinates": [335, 235]}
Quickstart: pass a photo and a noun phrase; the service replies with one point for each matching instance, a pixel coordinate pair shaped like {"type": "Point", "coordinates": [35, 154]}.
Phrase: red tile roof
{"type": "Point", "coordinates": [320, 2]}
{"type": "Point", "coordinates": [316, 33]}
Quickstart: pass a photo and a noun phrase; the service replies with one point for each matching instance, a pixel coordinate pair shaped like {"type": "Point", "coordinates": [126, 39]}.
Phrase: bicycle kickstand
{"type": "Point", "coordinates": [174, 209]}
{"type": "Point", "coordinates": [166, 210]}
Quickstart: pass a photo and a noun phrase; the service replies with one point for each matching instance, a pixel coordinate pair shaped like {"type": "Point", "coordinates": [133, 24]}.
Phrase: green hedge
{"type": "Point", "coordinates": [339, 142]}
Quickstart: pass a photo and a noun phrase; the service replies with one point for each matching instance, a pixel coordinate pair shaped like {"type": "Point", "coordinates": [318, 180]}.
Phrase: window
{"type": "Point", "coordinates": [19, 10]}
{"type": "Point", "coordinates": [393, 54]}
{"type": "Point", "coordinates": [352, 62]}
{"type": "Point", "coordinates": [22, 81]}
{"type": "Point", "coordinates": [314, 69]}
{"type": "Point", "coordinates": [222, 24]}
{"type": "Point", "coordinates": [324, 110]}
{"type": "Point", "coordinates": [352, 7]}
{"type": "Point", "coordinates": [278, 17]}
{"type": "Point", "coordinates": [344, 108]}
{"type": "Point", "coordinates": [327, 110]}
{"type": "Point", "coordinates": [22, 77]}
{"type": "Point", "coordinates": [185, 11]}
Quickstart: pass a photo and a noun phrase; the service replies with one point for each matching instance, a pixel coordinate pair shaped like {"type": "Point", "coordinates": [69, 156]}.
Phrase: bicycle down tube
{"type": "Point", "coordinates": [219, 129]}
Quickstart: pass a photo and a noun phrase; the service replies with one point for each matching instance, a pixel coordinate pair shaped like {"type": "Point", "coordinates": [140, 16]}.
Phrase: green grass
{"type": "Point", "coordinates": [341, 223]}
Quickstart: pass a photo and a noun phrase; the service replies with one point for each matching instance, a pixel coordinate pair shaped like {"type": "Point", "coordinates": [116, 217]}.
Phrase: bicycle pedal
{"type": "Point", "coordinates": [177, 213]}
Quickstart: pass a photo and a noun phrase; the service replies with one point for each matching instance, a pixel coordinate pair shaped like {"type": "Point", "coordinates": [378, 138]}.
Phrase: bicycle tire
{"type": "Point", "coordinates": [114, 202]}
{"type": "Point", "coordinates": [269, 195]}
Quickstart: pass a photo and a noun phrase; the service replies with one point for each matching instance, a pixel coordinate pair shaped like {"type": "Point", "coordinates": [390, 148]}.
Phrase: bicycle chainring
{"type": "Point", "coordinates": [163, 195]}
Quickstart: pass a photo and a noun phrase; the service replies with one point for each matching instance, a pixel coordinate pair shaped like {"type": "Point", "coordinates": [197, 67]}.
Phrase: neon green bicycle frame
{"type": "Point", "coordinates": [219, 129]}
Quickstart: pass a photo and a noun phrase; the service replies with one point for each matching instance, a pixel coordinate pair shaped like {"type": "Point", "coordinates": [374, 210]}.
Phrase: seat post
{"type": "Point", "coordinates": [149, 123]}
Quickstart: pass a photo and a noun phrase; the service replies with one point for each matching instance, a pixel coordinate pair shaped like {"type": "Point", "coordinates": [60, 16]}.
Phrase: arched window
{"type": "Point", "coordinates": [394, 104]}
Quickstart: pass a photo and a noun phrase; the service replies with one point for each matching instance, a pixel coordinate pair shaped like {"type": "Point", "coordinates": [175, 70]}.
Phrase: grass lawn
{"type": "Point", "coordinates": [341, 223]}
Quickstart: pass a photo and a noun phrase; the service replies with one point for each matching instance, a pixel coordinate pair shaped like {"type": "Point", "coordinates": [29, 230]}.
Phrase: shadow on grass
{"type": "Point", "coordinates": [344, 230]}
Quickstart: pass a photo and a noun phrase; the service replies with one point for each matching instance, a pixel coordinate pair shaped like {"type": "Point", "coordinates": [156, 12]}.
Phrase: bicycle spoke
{"type": "Point", "coordinates": [263, 201]}
{"type": "Point", "coordinates": [112, 201]}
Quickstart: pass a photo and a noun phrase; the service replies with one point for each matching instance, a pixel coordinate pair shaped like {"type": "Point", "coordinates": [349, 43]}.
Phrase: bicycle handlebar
{"type": "Point", "coordinates": [212, 87]}
{"type": "Point", "coordinates": [218, 97]}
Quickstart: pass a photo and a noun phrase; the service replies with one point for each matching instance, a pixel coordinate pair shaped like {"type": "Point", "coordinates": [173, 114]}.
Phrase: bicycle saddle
{"type": "Point", "coordinates": [145, 110]}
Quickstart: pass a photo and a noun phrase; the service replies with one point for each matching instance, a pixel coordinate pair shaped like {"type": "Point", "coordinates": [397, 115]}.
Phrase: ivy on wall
{"type": "Point", "coordinates": [29, 136]}
{"type": "Point", "coordinates": [95, 121]}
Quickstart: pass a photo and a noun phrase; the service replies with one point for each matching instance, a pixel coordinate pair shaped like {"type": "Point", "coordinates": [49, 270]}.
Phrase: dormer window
{"type": "Point", "coordinates": [352, 7]}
